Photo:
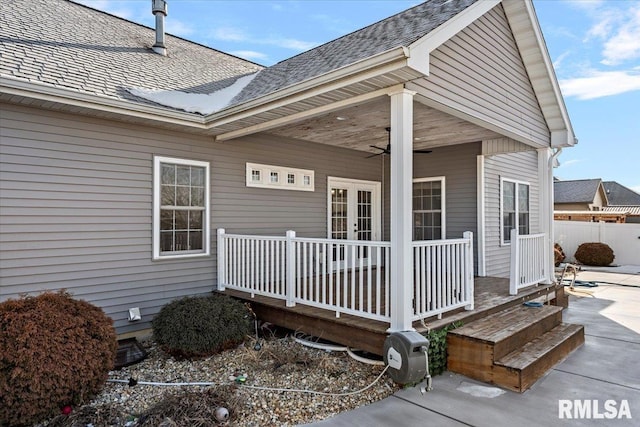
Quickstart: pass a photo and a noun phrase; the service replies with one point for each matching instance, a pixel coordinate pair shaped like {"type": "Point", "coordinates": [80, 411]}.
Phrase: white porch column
{"type": "Point", "coordinates": [401, 210]}
{"type": "Point", "coordinates": [545, 179]}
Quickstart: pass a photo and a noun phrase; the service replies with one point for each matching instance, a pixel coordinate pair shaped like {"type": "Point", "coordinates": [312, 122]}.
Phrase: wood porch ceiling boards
{"type": "Point", "coordinates": [365, 124]}
{"type": "Point", "coordinates": [491, 296]}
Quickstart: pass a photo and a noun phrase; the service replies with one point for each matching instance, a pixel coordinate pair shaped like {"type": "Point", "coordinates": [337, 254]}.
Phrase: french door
{"type": "Point", "coordinates": [353, 214]}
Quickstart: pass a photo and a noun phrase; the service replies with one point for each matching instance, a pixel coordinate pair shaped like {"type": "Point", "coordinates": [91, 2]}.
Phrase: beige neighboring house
{"type": "Point", "coordinates": [579, 195]}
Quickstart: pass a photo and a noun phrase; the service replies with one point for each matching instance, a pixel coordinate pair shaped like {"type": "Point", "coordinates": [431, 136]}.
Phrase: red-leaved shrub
{"type": "Point", "coordinates": [56, 351]}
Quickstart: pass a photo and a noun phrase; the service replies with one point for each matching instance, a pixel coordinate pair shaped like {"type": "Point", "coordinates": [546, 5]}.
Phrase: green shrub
{"type": "Point", "coordinates": [438, 349]}
{"type": "Point", "coordinates": [56, 351]}
{"type": "Point", "coordinates": [595, 254]}
{"type": "Point", "coordinates": [193, 327]}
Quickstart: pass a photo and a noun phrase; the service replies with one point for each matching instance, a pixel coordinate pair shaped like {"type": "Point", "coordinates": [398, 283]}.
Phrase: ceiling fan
{"type": "Point", "coordinates": [387, 149]}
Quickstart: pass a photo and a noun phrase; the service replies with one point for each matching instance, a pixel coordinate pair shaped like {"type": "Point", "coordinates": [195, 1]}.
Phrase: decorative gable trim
{"type": "Point", "coordinates": [419, 50]}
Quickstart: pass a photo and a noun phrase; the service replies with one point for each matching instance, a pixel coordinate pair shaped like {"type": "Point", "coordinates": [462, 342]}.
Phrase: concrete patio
{"type": "Point", "coordinates": [605, 368]}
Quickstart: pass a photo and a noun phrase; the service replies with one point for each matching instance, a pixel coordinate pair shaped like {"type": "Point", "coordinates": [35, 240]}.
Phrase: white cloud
{"type": "Point", "coordinates": [250, 54]}
{"type": "Point", "coordinates": [230, 34]}
{"type": "Point", "coordinates": [238, 35]}
{"type": "Point", "coordinates": [179, 28]}
{"type": "Point", "coordinates": [558, 62]}
{"type": "Point", "coordinates": [636, 188]}
{"type": "Point", "coordinates": [292, 44]}
{"type": "Point", "coordinates": [571, 162]}
{"type": "Point", "coordinates": [625, 43]}
{"type": "Point", "coordinates": [598, 84]}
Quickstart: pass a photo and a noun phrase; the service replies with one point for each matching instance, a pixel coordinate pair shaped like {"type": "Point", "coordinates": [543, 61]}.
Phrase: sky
{"type": "Point", "coordinates": [594, 46]}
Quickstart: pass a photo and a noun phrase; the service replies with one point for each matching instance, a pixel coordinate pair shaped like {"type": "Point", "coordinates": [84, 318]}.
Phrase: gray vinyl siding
{"type": "Point", "coordinates": [76, 206]}
{"type": "Point", "coordinates": [458, 164]}
{"type": "Point", "coordinates": [480, 71]}
{"type": "Point", "coordinates": [517, 166]}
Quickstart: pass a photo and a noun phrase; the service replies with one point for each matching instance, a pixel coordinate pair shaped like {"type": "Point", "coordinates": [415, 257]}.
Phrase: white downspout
{"type": "Point", "coordinates": [550, 225]}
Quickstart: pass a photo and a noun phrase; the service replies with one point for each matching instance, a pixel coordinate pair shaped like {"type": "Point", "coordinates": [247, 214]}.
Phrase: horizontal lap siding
{"type": "Point", "coordinates": [480, 71]}
{"type": "Point", "coordinates": [76, 206]}
{"type": "Point", "coordinates": [517, 166]}
{"type": "Point", "coordinates": [457, 163]}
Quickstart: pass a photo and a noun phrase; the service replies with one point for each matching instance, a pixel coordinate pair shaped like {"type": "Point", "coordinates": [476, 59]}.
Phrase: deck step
{"type": "Point", "coordinates": [514, 347]}
{"type": "Point", "coordinates": [521, 368]}
{"type": "Point", "coordinates": [510, 329]}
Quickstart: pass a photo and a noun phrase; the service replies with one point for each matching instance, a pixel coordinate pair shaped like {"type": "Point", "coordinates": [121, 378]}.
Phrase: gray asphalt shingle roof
{"type": "Point", "coordinates": [578, 191]}
{"type": "Point", "coordinates": [51, 41]}
{"type": "Point", "coordinates": [619, 195]}
{"type": "Point", "coordinates": [398, 30]}
{"type": "Point", "coordinates": [75, 47]}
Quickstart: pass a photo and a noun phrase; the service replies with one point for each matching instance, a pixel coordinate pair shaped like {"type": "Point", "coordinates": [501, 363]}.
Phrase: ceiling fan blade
{"type": "Point", "coordinates": [422, 151]}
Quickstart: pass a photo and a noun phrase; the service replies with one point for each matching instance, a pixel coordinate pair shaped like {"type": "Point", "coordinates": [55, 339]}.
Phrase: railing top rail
{"type": "Point", "coordinates": [252, 237]}
{"type": "Point", "coordinates": [531, 236]}
{"type": "Point", "coordinates": [441, 242]}
{"type": "Point", "coordinates": [343, 241]}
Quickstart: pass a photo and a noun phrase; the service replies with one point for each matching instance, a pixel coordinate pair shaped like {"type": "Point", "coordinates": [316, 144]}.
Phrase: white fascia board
{"type": "Point", "coordinates": [393, 59]}
{"type": "Point", "coordinates": [511, 8]}
{"type": "Point", "coordinates": [45, 92]}
{"type": "Point", "coordinates": [420, 49]}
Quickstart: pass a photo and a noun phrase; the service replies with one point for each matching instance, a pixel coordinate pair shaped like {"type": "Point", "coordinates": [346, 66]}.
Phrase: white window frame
{"type": "Point", "coordinates": [443, 213]}
{"type": "Point", "coordinates": [157, 161]}
{"type": "Point", "coordinates": [299, 184]}
{"type": "Point", "coordinates": [504, 242]}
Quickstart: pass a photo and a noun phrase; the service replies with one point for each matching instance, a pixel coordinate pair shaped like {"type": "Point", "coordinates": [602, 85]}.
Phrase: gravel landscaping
{"type": "Point", "coordinates": [281, 363]}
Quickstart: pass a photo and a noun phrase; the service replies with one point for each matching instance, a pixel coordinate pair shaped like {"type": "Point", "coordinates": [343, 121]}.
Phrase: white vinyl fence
{"type": "Point", "coordinates": [624, 239]}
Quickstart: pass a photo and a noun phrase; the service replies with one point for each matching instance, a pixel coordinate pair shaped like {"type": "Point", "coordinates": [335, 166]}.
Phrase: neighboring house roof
{"type": "Point", "coordinates": [68, 45]}
{"type": "Point", "coordinates": [398, 30]}
{"type": "Point", "coordinates": [578, 191]}
{"type": "Point", "coordinates": [619, 195]}
{"type": "Point", "coordinates": [630, 210]}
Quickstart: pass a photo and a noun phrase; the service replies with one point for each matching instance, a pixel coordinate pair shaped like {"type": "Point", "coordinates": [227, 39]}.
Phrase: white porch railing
{"type": "Point", "coordinates": [443, 276]}
{"type": "Point", "coordinates": [529, 254]}
{"type": "Point", "coordinates": [345, 276]}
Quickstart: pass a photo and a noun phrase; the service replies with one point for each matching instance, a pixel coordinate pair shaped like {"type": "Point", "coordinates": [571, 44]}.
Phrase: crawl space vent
{"type": "Point", "coordinates": [129, 352]}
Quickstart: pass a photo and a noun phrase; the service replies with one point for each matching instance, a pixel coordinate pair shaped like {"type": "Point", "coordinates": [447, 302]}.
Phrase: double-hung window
{"type": "Point", "coordinates": [514, 208]}
{"type": "Point", "coordinates": [428, 209]}
{"type": "Point", "coordinates": [180, 208]}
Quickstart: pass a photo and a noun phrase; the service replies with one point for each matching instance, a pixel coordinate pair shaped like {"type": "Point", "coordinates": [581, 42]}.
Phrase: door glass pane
{"type": "Point", "coordinates": [365, 210]}
{"type": "Point", "coordinates": [339, 213]}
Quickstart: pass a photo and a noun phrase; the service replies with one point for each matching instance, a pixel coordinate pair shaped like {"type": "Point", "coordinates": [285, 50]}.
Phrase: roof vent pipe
{"type": "Point", "coordinates": [159, 9]}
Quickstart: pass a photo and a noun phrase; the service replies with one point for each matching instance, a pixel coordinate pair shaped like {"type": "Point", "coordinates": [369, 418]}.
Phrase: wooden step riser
{"type": "Point", "coordinates": [521, 380]}
{"type": "Point", "coordinates": [520, 338]}
{"type": "Point", "coordinates": [470, 358]}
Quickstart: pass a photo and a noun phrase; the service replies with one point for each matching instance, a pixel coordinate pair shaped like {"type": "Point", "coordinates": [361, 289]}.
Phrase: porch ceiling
{"type": "Point", "coordinates": [357, 127]}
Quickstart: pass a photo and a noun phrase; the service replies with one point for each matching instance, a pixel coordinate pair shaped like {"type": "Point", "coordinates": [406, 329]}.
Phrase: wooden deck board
{"type": "Point", "coordinates": [491, 295]}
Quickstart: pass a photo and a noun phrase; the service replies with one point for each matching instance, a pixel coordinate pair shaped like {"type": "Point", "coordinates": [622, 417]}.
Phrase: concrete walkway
{"type": "Point", "coordinates": [606, 367]}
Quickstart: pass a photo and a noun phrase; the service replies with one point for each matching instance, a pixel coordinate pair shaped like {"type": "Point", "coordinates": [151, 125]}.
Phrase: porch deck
{"type": "Point", "coordinates": [491, 295]}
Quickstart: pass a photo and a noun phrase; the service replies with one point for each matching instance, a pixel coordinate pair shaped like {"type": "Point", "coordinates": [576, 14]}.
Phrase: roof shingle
{"type": "Point", "coordinates": [578, 191]}
{"type": "Point", "coordinates": [619, 195]}
{"type": "Point", "coordinates": [72, 46]}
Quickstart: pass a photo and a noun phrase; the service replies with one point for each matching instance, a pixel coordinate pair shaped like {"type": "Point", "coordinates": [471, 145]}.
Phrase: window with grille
{"type": "Point", "coordinates": [515, 208]}
{"type": "Point", "coordinates": [181, 207]}
{"type": "Point", "coordinates": [428, 209]}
